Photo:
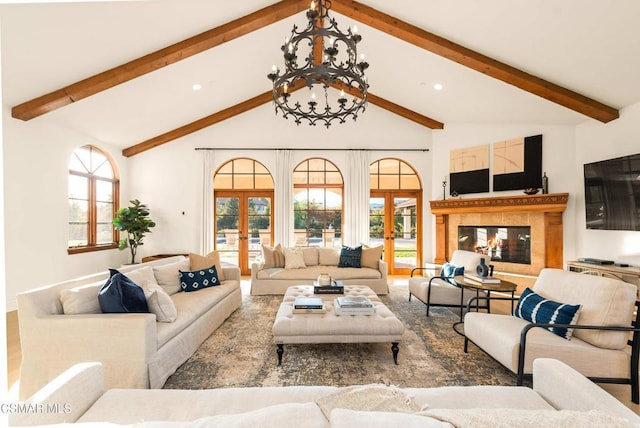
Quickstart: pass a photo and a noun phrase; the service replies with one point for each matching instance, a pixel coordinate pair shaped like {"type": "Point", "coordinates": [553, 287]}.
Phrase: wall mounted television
{"type": "Point", "coordinates": [612, 193]}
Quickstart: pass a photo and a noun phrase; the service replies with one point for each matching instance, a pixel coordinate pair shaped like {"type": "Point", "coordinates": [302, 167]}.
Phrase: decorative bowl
{"type": "Point", "coordinates": [531, 191]}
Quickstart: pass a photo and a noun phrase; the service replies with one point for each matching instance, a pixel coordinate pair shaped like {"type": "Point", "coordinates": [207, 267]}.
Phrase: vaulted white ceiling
{"type": "Point", "coordinates": [588, 46]}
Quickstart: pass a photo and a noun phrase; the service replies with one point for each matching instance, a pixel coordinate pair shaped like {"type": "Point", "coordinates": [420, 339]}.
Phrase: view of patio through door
{"type": "Point", "coordinates": [243, 212]}
{"type": "Point", "coordinates": [395, 215]}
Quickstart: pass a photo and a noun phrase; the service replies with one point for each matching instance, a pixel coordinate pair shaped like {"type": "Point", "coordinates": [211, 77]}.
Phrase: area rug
{"type": "Point", "coordinates": [241, 353]}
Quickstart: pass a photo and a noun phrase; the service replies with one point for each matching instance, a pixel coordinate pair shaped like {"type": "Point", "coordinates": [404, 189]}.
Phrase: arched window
{"type": "Point", "coordinates": [93, 200]}
{"type": "Point", "coordinates": [317, 203]}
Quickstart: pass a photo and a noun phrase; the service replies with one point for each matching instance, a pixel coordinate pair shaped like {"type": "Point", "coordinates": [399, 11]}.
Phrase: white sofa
{"type": "Point", "coordinates": [80, 391]}
{"type": "Point", "coordinates": [136, 351]}
{"type": "Point", "coordinates": [276, 280]}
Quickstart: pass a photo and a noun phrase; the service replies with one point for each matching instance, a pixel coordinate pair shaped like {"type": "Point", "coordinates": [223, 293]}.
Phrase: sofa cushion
{"type": "Point", "coordinates": [604, 301]}
{"type": "Point", "coordinates": [168, 276]}
{"type": "Point", "coordinates": [294, 258]}
{"type": "Point", "coordinates": [507, 418]}
{"type": "Point", "coordinates": [350, 257]}
{"type": "Point", "coordinates": [81, 300]}
{"type": "Point", "coordinates": [272, 257]}
{"type": "Point", "coordinates": [329, 256]}
{"type": "Point", "coordinates": [371, 256]}
{"type": "Point", "coordinates": [198, 262]}
{"type": "Point", "coordinates": [158, 300]}
{"type": "Point", "coordinates": [535, 308]}
{"type": "Point", "coordinates": [310, 255]}
{"type": "Point", "coordinates": [121, 295]}
{"type": "Point", "coordinates": [190, 307]}
{"type": "Point", "coordinates": [311, 273]}
{"type": "Point", "coordinates": [199, 279]}
{"type": "Point", "coordinates": [344, 418]}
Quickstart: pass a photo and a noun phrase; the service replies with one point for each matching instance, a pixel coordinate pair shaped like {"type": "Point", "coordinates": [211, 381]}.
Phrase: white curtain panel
{"type": "Point", "coordinates": [206, 234]}
{"type": "Point", "coordinates": [283, 196]}
{"type": "Point", "coordinates": [356, 197]}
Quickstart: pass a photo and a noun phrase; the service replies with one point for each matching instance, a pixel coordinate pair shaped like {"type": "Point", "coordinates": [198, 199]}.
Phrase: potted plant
{"type": "Point", "coordinates": [136, 222]}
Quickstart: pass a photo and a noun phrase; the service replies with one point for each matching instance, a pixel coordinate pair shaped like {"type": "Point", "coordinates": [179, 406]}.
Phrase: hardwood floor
{"type": "Point", "coordinates": [14, 355]}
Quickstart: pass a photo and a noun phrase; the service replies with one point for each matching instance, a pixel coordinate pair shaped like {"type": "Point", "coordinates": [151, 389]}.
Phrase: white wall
{"type": "Point", "coordinates": [36, 170]}
{"type": "Point", "coordinates": [595, 142]}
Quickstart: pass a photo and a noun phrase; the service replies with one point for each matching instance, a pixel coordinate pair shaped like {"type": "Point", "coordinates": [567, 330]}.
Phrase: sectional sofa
{"type": "Point", "coordinates": [60, 325]}
{"type": "Point", "coordinates": [560, 397]}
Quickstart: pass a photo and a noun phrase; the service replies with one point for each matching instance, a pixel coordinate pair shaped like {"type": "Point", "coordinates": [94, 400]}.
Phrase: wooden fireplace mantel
{"type": "Point", "coordinates": [551, 205]}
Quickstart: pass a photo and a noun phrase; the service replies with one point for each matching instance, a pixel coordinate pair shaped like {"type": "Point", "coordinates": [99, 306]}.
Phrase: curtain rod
{"type": "Point", "coordinates": [310, 149]}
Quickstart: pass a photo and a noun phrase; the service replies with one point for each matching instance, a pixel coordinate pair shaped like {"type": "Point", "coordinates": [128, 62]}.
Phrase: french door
{"type": "Point", "coordinates": [243, 222]}
{"type": "Point", "coordinates": [395, 221]}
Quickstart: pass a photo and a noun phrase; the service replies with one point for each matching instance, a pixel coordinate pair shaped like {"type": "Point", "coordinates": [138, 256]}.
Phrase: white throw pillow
{"type": "Point", "coordinates": [82, 299]}
{"type": "Point", "coordinates": [294, 258]}
{"type": "Point", "coordinates": [168, 277]}
{"type": "Point", "coordinates": [143, 276]}
{"type": "Point", "coordinates": [160, 304]}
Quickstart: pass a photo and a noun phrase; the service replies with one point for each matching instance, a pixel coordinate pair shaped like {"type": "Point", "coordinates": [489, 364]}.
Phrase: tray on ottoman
{"type": "Point", "coordinates": [290, 328]}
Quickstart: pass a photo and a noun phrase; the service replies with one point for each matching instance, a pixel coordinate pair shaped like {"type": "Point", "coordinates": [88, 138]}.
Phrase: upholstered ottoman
{"type": "Point", "coordinates": [290, 328]}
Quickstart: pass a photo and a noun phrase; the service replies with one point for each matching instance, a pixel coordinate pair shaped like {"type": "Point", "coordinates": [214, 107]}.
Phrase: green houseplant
{"type": "Point", "coordinates": [136, 222]}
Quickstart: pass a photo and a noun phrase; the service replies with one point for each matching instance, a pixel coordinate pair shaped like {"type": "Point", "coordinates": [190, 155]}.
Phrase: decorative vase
{"type": "Point", "coordinates": [324, 279]}
{"type": "Point", "coordinates": [545, 184]}
{"type": "Point", "coordinates": [482, 269]}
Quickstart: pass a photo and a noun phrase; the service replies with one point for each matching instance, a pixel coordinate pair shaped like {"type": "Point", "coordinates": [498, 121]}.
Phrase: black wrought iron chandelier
{"type": "Point", "coordinates": [332, 61]}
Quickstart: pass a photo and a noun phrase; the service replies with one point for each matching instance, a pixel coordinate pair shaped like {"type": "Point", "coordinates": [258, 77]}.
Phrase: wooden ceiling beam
{"type": "Point", "coordinates": [392, 107]}
{"type": "Point", "coordinates": [474, 60]}
{"type": "Point", "coordinates": [158, 59]}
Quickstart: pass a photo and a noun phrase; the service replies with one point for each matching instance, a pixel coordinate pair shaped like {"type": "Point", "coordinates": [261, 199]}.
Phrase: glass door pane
{"type": "Point", "coordinates": [259, 226]}
{"type": "Point", "coordinates": [227, 229]}
{"type": "Point", "coordinates": [376, 221]}
{"type": "Point", "coordinates": [405, 244]}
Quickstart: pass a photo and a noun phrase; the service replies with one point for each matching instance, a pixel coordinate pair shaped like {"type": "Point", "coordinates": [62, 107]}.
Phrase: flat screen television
{"type": "Point", "coordinates": [612, 193]}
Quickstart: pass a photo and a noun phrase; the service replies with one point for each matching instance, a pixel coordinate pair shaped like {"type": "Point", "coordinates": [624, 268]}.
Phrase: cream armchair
{"type": "Point", "coordinates": [432, 290]}
{"type": "Point", "coordinates": [599, 348]}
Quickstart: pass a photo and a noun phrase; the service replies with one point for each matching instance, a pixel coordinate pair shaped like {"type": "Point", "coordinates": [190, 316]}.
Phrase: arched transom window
{"type": "Point", "coordinates": [318, 193]}
{"type": "Point", "coordinates": [393, 174]}
{"type": "Point", "coordinates": [243, 174]}
{"type": "Point", "coordinates": [93, 200]}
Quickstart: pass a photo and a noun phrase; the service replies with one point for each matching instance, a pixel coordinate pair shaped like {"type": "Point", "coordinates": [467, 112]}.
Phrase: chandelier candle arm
{"type": "Point", "coordinates": [332, 59]}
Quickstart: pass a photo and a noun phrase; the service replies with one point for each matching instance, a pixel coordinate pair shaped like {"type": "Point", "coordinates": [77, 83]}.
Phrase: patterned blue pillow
{"type": "Point", "coordinates": [350, 256]}
{"type": "Point", "coordinates": [199, 279]}
{"type": "Point", "coordinates": [535, 308]}
{"type": "Point", "coordinates": [449, 270]}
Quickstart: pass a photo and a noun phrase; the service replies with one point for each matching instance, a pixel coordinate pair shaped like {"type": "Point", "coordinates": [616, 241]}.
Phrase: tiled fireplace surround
{"type": "Point", "coordinates": [543, 213]}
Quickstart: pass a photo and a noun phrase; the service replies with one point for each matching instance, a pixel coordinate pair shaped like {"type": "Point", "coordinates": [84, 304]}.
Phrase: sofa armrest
{"type": "Point", "coordinates": [65, 398]}
{"type": "Point", "coordinates": [124, 343]}
{"type": "Point", "coordinates": [383, 268]}
{"type": "Point", "coordinates": [231, 273]}
{"type": "Point", "coordinates": [255, 267]}
{"type": "Point", "coordinates": [566, 389]}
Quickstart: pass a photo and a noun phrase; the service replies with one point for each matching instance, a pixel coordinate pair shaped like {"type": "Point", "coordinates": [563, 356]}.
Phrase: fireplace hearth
{"type": "Point", "coordinates": [508, 244]}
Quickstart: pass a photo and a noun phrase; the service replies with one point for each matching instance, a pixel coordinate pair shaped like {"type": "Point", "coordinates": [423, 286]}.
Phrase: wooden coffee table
{"type": "Point", "coordinates": [290, 328]}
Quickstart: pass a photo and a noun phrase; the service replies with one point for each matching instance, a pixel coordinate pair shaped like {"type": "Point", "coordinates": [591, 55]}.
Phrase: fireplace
{"type": "Point", "coordinates": [508, 244]}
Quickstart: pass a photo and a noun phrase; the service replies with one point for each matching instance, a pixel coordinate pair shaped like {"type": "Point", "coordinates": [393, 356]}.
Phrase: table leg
{"type": "Point", "coordinates": [512, 294]}
{"type": "Point", "coordinates": [394, 350]}
{"type": "Point", "coordinates": [461, 302]}
{"type": "Point", "coordinates": [280, 351]}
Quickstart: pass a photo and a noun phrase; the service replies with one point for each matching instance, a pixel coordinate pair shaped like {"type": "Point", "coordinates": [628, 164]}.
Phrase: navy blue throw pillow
{"type": "Point", "coordinates": [199, 279]}
{"type": "Point", "coordinates": [350, 256]}
{"type": "Point", "coordinates": [121, 295]}
{"type": "Point", "coordinates": [449, 270]}
{"type": "Point", "coordinates": [535, 308]}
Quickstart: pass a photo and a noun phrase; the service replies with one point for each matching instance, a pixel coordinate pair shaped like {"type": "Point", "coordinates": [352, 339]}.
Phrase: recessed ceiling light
{"type": "Point", "coordinates": [438, 86]}
{"type": "Point", "coordinates": [197, 87]}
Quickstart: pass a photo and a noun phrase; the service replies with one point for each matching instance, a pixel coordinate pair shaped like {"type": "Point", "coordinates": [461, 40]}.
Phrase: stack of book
{"type": "Point", "coordinates": [481, 279]}
{"type": "Point", "coordinates": [308, 305]}
{"type": "Point", "coordinates": [354, 305]}
{"type": "Point", "coordinates": [336, 287]}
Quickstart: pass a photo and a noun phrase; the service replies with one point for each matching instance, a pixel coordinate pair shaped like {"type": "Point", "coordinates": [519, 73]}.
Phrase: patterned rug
{"type": "Point", "coordinates": [241, 353]}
